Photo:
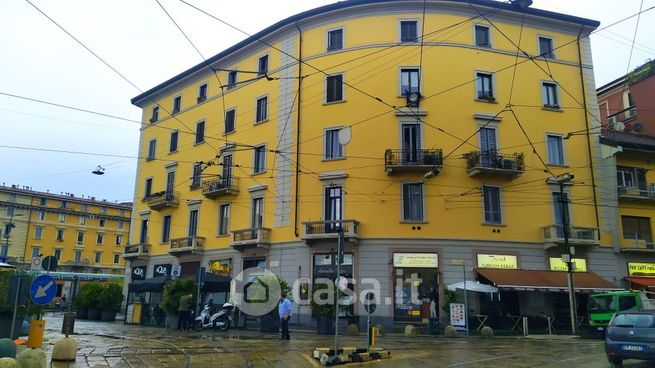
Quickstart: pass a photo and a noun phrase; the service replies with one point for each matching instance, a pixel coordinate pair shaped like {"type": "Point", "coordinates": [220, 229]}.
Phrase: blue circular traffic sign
{"type": "Point", "coordinates": [43, 289]}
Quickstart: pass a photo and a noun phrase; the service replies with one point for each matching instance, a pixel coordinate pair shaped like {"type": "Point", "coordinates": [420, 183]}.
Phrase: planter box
{"type": "Point", "coordinates": [108, 315]}
{"type": "Point", "coordinates": [5, 327]}
{"type": "Point", "coordinates": [269, 323]}
{"type": "Point", "coordinates": [325, 325]}
{"type": "Point", "coordinates": [95, 314]}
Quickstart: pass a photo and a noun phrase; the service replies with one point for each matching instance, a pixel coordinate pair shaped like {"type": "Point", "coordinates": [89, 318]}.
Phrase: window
{"type": "Point", "coordinates": [43, 201]}
{"type": "Point", "coordinates": [117, 258]}
{"type": "Point", "coordinates": [232, 79]}
{"type": "Point", "coordinates": [36, 252]}
{"type": "Point", "coordinates": [60, 235]}
{"type": "Point", "coordinates": [63, 204]}
{"type": "Point", "coordinates": [38, 233]}
{"type": "Point", "coordinates": [333, 207]}
{"type": "Point", "coordinates": [40, 215]}
{"type": "Point", "coordinates": [408, 31]}
{"type": "Point", "coordinates": [84, 207]}
{"type": "Point", "coordinates": [628, 302]}
{"type": "Point", "coordinates": [491, 197]}
{"type": "Point", "coordinates": [412, 202]}
{"type": "Point", "coordinates": [555, 150]}
{"type": "Point", "coordinates": [8, 228]}
{"type": "Point", "coordinates": [262, 109]}
{"type": "Point", "coordinates": [101, 222]}
{"type": "Point", "coordinates": [148, 188]}
{"type": "Point", "coordinates": [177, 104]}
{"type": "Point", "coordinates": [121, 212]}
{"type": "Point", "coordinates": [262, 65]}
{"type": "Point", "coordinates": [482, 36]}
{"type": "Point", "coordinates": [57, 254]}
{"type": "Point", "coordinates": [120, 224]}
{"type": "Point", "coordinates": [409, 81]}
{"type": "Point", "coordinates": [80, 237]}
{"type": "Point", "coordinates": [98, 257]}
{"type": "Point", "coordinates": [200, 132]}
{"type": "Point", "coordinates": [62, 217]}
{"type": "Point", "coordinates": [559, 214]}
{"type": "Point", "coordinates": [259, 164]}
{"type": "Point", "coordinates": [229, 120]}
{"type": "Point", "coordinates": [119, 239]}
{"type": "Point", "coordinates": [224, 219]}
{"type": "Point", "coordinates": [104, 209]}
{"type": "Point", "coordinates": [10, 211]}
{"type": "Point", "coordinates": [333, 149]}
{"type": "Point", "coordinates": [546, 47]}
{"type": "Point", "coordinates": [549, 95]}
{"type": "Point", "coordinates": [625, 177]}
{"type": "Point", "coordinates": [82, 220]}
{"type": "Point", "coordinates": [193, 222]}
{"type": "Point", "coordinates": [202, 93]}
{"type": "Point", "coordinates": [484, 84]}
{"type": "Point", "coordinates": [637, 228]}
{"type": "Point", "coordinates": [257, 214]}
{"type": "Point", "coordinates": [155, 114]}
{"type": "Point", "coordinates": [335, 39]}
{"type": "Point", "coordinates": [173, 145]}
{"type": "Point", "coordinates": [78, 256]}
{"type": "Point", "coordinates": [166, 229]}
{"type": "Point", "coordinates": [195, 177]}
{"type": "Point", "coordinates": [334, 88]}
{"type": "Point", "coordinates": [152, 148]}
{"type": "Point", "coordinates": [100, 238]}
{"type": "Point", "coordinates": [12, 197]}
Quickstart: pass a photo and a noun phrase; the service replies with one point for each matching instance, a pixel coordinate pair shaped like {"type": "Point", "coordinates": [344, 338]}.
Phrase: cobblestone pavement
{"type": "Point", "coordinates": [102, 344]}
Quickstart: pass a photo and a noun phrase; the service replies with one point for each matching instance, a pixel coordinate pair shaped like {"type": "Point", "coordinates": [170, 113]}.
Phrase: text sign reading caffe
{"type": "Point", "coordinates": [497, 261]}
{"type": "Point", "coordinates": [416, 260]}
{"type": "Point", "coordinates": [557, 264]}
{"type": "Point", "coordinates": [641, 269]}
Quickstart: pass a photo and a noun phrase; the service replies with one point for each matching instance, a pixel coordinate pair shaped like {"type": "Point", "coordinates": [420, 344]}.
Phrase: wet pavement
{"type": "Point", "coordinates": [102, 344]}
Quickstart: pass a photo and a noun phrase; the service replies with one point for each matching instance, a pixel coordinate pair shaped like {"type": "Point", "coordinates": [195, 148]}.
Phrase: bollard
{"type": "Point", "coordinates": [9, 363]}
{"type": "Point", "coordinates": [32, 358]}
{"type": "Point", "coordinates": [525, 326]}
{"type": "Point", "coordinates": [7, 348]}
{"type": "Point", "coordinates": [35, 338]}
{"type": "Point", "coordinates": [68, 325]}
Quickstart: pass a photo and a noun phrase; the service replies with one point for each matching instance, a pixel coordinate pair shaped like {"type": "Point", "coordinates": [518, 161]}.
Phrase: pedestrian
{"type": "Point", "coordinates": [284, 309]}
{"type": "Point", "coordinates": [183, 312]}
{"type": "Point", "coordinates": [433, 302]}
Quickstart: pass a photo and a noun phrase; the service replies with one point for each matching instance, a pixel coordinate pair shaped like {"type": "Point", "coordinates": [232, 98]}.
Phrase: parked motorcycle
{"type": "Point", "coordinates": [220, 320]}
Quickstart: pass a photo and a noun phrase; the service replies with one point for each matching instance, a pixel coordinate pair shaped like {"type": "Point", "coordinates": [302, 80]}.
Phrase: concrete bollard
{"type": "Point", "coordinates": [7, 348]}
{"type": "Point", "coordinates": [7, 362]}
{"type": "Point", "coordinates": [487, 332]}
{"type": "Point", "coordinates": [32, 358]}
{"type": "Point", "coordinates": [450, 331]}
{"type": "Point", "coordinates": [65, 349]}
{"type": "Point", "coordinates": [410, 331]}
{"type": "Point", "coordinates": [353, 330]}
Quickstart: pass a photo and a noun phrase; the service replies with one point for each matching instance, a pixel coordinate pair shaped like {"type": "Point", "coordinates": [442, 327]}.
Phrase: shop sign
{"type": "Point", "coordinates": [502, 261]}
{"type": "Point", "coordinates": [162, 270]}
{"type": "Point", "coordinates": [457, 317]}
{"type": "Point", "coordinates": [221, 267]}
{"type": "Point", "coordinates": [139, 273]}
{"type": "Point", "coordinates": [415, 260]}
{"type": "Point", "coordinates": [641, 269]}
{"type": "Point", "coordinates": [557, 264]}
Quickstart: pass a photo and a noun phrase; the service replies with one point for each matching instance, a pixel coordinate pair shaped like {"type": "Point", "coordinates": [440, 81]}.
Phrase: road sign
{"type": "Point", "coordinates": [49, 263]}
{"type": "Point", "coordinates": [43, 289]}
{"type": "Point", "coordinates": [176, 271]}
{"type": "Point", "coordinates": [36, 264]}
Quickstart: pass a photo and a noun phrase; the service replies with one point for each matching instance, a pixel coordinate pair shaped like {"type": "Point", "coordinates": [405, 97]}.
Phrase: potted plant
{"type": "Point", "coordinates": [170, 300]}
{"type": "Point", "coordinates": [89, 297]}
{"type": "Point", "coordinates": [323, 308]}
{"type": "Point", "coordinates": [110, 301]}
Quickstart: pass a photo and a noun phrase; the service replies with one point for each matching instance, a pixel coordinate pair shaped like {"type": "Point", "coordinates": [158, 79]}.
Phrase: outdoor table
{"type": "Point", "coordinates": [482, 319]}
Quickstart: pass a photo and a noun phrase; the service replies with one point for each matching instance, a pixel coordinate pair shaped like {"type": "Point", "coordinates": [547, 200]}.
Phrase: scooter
{"type": "Point", "coordinates": [221, 320]}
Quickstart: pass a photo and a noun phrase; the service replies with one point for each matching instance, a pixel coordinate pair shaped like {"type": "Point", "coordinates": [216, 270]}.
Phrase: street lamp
{"type": "Point", "coordinates": [458, 262]}
{"type": "Point", "coordinates": [10, 225]}
{"type": "Point", "coordinates": [567, 257]}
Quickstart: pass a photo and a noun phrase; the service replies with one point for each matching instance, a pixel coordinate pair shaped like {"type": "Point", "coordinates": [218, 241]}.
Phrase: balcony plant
{"type": "Point", "coordinates": [109, 301]}
{"type": "Point", "coordinates": [472, 159]}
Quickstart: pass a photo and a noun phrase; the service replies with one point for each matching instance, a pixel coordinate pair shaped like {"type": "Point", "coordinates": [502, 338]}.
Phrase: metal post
{"type": "Point", "coordinates": [13, 319]}
{"type": "Point", "coordinates": [336, 295]}
{"type": "Point", "coordinates": [466, 307]}
{"type": "Point", "coordinates": [368, 332]}
{"type": "Point", "coordinates": [569, 263]}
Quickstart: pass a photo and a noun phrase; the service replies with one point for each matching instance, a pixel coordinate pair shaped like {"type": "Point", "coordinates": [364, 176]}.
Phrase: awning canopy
{"type": "Point", "coordinates": [153, 284]}
{"type": "Point", "coordinates": [473, 286]}
{"type": "Point", "coordinates": [649, 282]}
{"type": "Point", "coordinates": [216, 283]}
{"type": "Point", "coordinates": [6, 266]}
{"type": "Point", "coordinates": [554, 281]}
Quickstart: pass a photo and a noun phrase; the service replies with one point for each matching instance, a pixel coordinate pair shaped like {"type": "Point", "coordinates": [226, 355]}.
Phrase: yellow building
{"type": "Point", "coordinates": [84, 234]}
{"type": "Point", "coordinates": [420, 129]}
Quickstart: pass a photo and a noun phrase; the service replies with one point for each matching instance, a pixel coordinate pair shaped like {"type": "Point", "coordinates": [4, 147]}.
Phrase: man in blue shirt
{"type": "Point", "coordinates": [284, 309]}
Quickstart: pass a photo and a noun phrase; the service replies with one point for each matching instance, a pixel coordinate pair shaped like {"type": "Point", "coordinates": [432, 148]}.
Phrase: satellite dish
{"type": "Point", "coordinates": [619, 126]}
{"type": "Point", "coordinates": [344, 135]}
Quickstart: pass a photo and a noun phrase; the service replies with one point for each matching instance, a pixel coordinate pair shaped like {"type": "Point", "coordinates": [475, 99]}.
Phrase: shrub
{"type": "Point", "coordinates": [173, 291]}
{"type": "Point", "coordinates": [110, 297]}
{"type": "Point", "coordinates": [89, 296]}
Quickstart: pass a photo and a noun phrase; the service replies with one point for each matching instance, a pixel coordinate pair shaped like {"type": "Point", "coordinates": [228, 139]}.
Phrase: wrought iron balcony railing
{"type": "Point", "coordinates": [413, 160]}
{"type": "Point", "coordinates": [494, 163]}
{"type": "Point", "coordinates": [220, 186]}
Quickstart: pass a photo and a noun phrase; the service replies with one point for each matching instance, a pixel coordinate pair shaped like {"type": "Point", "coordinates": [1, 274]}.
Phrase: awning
{"type": "Point", "coordinates": [554, 281]}
{"type": "Point", "coordinates": [154, 284]}
{"type": "Point", "coordinates": [473, 286]}
{"type": "Point", "coordinates": [216, 283]}
{"type": "Point", "coordinates": [649, 282]}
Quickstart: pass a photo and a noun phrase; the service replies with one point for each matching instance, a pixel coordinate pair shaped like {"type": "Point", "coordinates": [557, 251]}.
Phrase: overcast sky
{"type": "Point", "coordinates": [38, 60]}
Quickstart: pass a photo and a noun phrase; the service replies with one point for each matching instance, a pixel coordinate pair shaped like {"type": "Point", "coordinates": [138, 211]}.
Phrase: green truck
{"type": "Point", "coordinates": [603, 306]}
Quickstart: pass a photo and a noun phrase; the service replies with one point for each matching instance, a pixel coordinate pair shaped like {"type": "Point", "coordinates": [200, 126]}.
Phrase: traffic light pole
{"type": "Point", "coordinates": [569, 261]}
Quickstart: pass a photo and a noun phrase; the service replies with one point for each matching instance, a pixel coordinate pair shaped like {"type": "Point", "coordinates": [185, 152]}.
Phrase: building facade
{"type": "Point", "coordinates": [425, 131]}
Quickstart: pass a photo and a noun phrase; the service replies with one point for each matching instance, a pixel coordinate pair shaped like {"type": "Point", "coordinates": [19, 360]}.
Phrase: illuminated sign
{"type": "Point", "coordinates": [498, 261]}
{"type": "Point", "coordinates": [557, 264]}
{"type": "Point", "coordinates": [221, 267]}
{"type": "Point", "coordinates": [641, 269]}
{"type": "Point", "coordinates": [416, 260]}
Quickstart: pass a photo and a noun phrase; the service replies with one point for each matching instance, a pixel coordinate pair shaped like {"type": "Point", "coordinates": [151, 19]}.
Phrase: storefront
{"type": "Point", "coordinates": [414, 274]}
{"type": "Point", "coordinates": [641, 276]}
{"type": "Point", "coordinates": [324, 266]}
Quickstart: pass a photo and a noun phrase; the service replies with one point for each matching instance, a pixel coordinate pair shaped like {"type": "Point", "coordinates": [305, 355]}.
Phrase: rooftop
{"type": "Point", "coordinates": [24, 190]}
{"type": "Point", "coordinates": [628, 140]}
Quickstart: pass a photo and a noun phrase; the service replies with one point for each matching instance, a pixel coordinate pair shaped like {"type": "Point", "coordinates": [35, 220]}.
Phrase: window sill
{"type": "Point", "coordinates": [194, 187]}
{"type": "Point", "coordinates": [260, 122]}
{"type": "Point", "coordinates": [172, 152]}
{"type": "Point", "coordinates": [229, 133]}
{"type": "Point", "coordinates": [493, 225]}
{"type": "Point", "coordinates": [259, 173]}
{"type": "Point", "coordinates": [334, 102]}
{"type": "Point", "coordinates": [494, 101]}
{"type": "Point", "coordinates": [223, 236]}
{"type": "Point", "coordinates": [148, 159]}
{"type": "Point", "coordinates": [198, 143]}
{"type": "Point", "coordinates": [485, 46]}
{"type": "Point", "coordinates": [552, 109]}
{"type": "Point", "coordinates": [414, 222]}
{"type": "Point", "coordinates": [334, 159]}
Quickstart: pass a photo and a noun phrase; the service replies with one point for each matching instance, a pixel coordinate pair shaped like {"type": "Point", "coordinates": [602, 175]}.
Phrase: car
{"type": "Point", "coordinates": [631, 335]}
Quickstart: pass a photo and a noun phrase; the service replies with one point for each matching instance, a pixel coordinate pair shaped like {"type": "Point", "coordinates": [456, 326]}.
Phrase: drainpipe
{"type": "Point", "coordinates": [295, 220]}
{"type": "Point", "coordinates": [586, 119]}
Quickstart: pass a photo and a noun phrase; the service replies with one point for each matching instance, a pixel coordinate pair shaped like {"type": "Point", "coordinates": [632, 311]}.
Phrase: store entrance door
{"type": "Point", "coordinates": [412, 293]}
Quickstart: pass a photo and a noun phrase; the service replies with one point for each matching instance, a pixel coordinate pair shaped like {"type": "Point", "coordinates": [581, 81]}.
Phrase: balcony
{"type": "Point", "coordinates": [186, 245]}
{"type": "Point", "coordinates": [623, 116]}
{"type": "Point", "coordinates": [136, 251]}
{"type": "Point", "coordinates": [162, 200]}
{"type": "Point", "coordinates": [410, 160]}
{"type": "Point", "coordinates": [633, 194]}
{"type": "Point", "coordinates": [636, 244]}
{"type": "Point", "coordinates": [493, 163]}
{"type": "Point", "coordinates": [75, 263]}
{"type": "Point", "coordinates": [314, 231]}
{"type": "Point", "coordinates": [554, 236]}
{"type": "Point", "coordinates": [254, 237]}
{"type": "Point", "coordinates": [220, 187]}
